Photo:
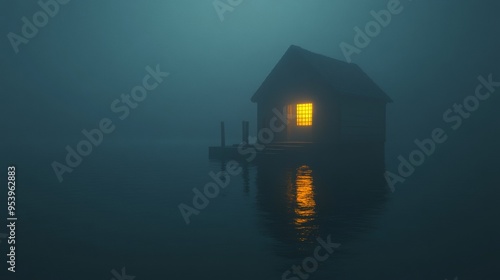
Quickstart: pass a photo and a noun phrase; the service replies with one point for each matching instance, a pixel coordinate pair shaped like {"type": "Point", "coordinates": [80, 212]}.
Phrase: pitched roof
{"type": "Point", "coordinates": [344, 78]}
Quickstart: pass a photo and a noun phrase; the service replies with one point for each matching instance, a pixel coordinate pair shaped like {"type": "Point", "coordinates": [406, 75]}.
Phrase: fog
{"type": "Point", "coordinates": [65, 78]}
{"type": "Point", "coordinates": [199, 63]}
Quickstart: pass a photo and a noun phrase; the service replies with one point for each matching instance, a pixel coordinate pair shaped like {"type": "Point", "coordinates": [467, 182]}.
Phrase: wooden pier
{"type": "Point", "coordinates": [244, 151]}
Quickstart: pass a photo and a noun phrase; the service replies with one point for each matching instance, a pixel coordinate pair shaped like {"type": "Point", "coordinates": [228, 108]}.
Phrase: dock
{"type": "Point", "coordinates": [243, 150]}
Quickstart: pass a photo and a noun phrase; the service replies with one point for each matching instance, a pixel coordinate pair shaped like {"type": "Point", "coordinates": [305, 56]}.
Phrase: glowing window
{"type": "Point", "coordinates": [304, 114]}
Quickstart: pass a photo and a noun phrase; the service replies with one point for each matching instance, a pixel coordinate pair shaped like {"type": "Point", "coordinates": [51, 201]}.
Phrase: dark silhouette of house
{"type": "Point", "coordinates": [327, 102]}
{"type": "Point", "coordinates": [313, 107]}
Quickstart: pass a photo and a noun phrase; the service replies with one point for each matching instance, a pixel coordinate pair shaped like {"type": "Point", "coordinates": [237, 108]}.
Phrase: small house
{"type": "Point", "coordinates": [326, 101]}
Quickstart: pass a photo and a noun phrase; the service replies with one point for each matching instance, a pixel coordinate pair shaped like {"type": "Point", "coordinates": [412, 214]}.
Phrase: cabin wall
{"type": "Point", "coordinates": [271, 114]}
{"type": "Point", "coordinates": [292, 83]}
{"type": "Point", "coordinates": [336, 118]}
{"type": "Point", "coordinates": [326, 127]}
{"type": "Point", "coordinates": [327, 120]}
{"type": "Point", "coordinates": [363, 120]}
{"type": "Point", "coordinates": [335, 121]}
{"type": "Point", "coordinates": [363, 129]}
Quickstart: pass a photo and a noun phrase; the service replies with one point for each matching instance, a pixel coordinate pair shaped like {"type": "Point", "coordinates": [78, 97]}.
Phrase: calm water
{"type": "Point", "coordinates": [119, 208]}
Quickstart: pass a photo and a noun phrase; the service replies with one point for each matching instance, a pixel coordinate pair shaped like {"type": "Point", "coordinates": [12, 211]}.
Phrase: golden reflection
{"type": "Point", "coordinates": [301, 194]}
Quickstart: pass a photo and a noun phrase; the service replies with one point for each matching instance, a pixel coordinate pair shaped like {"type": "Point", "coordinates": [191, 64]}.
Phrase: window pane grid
{"type": "Point", "coordinates": [304, 114]}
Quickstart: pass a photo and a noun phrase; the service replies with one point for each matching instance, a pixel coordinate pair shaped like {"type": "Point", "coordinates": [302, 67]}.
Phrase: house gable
{"type": "Point", "coordinates": [301, 68]}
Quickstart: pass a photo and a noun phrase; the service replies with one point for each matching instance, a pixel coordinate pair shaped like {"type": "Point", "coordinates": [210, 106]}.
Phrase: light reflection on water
{"type": "Point", "coordinates": [267, 219]}
{"type": "Point", "coordinates": [301, 200]}
{"type": "Point", "coordinates": [301, 195]}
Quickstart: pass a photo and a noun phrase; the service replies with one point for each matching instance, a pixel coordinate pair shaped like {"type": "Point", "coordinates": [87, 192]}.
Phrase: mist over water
{"type": "Point", "coordinates": [119, 206]}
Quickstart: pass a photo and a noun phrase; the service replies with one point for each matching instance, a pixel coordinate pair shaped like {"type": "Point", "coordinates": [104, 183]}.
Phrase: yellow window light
{"type": "Point", "coordinates": [304, 114]}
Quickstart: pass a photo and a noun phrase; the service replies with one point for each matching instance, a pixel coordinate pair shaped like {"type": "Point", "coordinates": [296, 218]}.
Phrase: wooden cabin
{"type": "Point", "coordinates": [327, 101]}
{"type": "Point", "coordinates": [330, 111]}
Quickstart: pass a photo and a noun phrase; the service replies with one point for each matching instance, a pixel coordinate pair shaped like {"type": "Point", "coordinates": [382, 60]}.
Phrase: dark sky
{"type": "Point", "coordinates": [91, 52]}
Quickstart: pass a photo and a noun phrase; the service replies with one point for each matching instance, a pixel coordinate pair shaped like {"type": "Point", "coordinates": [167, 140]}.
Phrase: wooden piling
{"type": "Point", "coordinates": [222, 135]}
{"type": "Point", "coordinates": [244, 133]}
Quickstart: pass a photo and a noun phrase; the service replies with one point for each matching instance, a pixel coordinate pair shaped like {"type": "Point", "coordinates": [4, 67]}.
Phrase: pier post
{"type": "Point", "coordinates": [222, 135]}
{"type": "Point", "coordinates": [244, 133]}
